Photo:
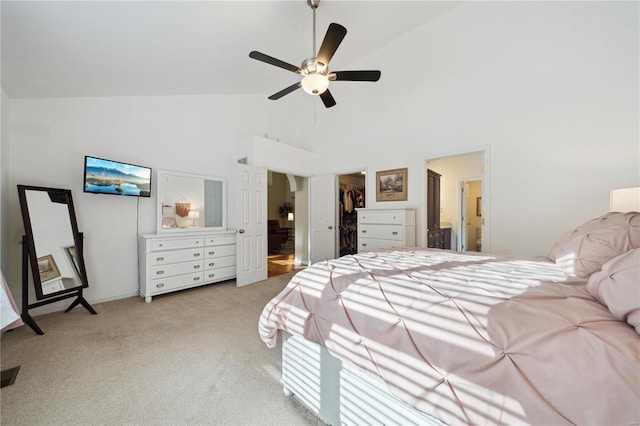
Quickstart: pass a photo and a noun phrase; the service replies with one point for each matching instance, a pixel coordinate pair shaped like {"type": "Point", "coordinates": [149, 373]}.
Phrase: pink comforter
{"type": "Point", "coordinates": [469, 338]}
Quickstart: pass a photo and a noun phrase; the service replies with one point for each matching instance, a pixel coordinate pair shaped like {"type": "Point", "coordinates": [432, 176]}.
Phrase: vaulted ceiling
{"type": "Point", "coordinates": [130, 48]}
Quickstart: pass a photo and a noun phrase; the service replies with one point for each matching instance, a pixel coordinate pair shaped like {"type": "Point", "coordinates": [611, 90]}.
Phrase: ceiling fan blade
{"type": "Point", "coordinates": [327, 99]}
{"type": "Point", "coordinates": [357, 75]}
{"type": "Point", "coordinates": [273, 61]}
{"type": "Point", "coordinates": [333, 38]}
{"type": "Point", "coordinates": [286, 91]}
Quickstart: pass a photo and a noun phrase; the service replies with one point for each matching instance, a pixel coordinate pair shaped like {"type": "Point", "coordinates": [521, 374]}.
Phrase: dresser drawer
{"type": "Point", "coordinates": [216, 240]}
{"type": "Point", "coordinates": [173, 269]}
{"type": "Point", "coordinates": [219, 262]}
{"type": "Point", "coordinates": [369, 244]}
{"type": "Point", "coordinates": [399, 217]}
{"type": "Point", "coordinates": [220, 274]}
{"type": "Point", "coordinates": [163, 285]}
{"type": "Point", "coordinates": [162, 258]}
{"type": "Point", "coordinates": [220, 251]}
{"type": "Point", "coordinates": [177, 243]}
{"type": "Point", "coordinates": [385, 232]}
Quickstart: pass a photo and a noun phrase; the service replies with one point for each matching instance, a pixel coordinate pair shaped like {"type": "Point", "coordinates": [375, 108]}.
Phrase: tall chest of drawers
{"type": "Point", "coordinates": [177, 262]}
{"type": "Point", "coordinates": [386, 228]}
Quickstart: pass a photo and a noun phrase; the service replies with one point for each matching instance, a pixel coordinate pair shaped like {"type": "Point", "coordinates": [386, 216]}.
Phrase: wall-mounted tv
{"type": "Point", "coordinates": [113, 177]}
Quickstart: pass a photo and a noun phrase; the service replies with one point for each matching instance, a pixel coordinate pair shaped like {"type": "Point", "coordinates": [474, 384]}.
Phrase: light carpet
{"type": "Point", "coordinates": [187, 358]}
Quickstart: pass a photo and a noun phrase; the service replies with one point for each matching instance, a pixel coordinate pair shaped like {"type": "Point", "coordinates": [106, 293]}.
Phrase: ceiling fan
{"type": "Point", "coordinates": [315, 70]}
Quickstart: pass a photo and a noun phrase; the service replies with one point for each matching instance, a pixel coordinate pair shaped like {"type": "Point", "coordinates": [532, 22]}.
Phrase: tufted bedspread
{"type": "Point", "coordinates": [469, 338]}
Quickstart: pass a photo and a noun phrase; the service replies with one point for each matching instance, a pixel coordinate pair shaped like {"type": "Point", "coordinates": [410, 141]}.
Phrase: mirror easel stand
{"type": "Point", "coordinates": [26, 317]}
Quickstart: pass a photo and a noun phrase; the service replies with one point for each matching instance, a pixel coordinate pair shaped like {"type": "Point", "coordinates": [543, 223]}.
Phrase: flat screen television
{"type": "Point", "coordinates": [113, 177]}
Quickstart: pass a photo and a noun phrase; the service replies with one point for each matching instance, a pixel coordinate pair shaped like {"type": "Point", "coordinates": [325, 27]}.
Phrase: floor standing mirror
{"type": "Point", "coordinates": [52, 245]}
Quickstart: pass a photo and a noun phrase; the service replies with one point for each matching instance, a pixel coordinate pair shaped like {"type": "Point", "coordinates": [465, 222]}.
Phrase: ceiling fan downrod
{"type": "Point", "coordinates": [313, 4]}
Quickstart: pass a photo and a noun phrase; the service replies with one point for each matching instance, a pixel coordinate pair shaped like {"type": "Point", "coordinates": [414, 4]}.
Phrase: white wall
{"type": "Point", "coordinates": [550, 87]}
{"type": "Point", "coordinates": [48, 141]}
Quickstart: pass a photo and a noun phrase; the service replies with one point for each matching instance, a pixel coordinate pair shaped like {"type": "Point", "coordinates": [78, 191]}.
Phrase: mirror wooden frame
{"type": "Point", "coordinates": [30, 256]}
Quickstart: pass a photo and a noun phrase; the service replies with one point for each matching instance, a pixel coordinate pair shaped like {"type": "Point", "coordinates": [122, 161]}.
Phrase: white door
{"type": "Point", "coordinates": [470, 215]}
{"type": "Point", "coordinates": [323, 213]}
{"type": "Point", "coordinates": [463, 227]}
{"type": "Point", "coordinates": [251, 249]}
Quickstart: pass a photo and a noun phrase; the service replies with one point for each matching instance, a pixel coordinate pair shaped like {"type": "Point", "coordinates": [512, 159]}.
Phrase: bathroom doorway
{"type": "Point", "coordinates": [464, 205]}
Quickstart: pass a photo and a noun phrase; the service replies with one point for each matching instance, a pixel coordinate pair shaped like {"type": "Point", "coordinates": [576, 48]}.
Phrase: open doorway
{"type": "Point", "coordinates": [286, 202]}
{"type": "Point", "coordinates": [463, 198]}
{"type": "Point", "coordinates": [350, 197]}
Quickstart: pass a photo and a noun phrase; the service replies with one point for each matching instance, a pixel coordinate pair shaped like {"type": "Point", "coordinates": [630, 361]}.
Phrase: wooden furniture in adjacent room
{"type": "Point", "coordinates": [176, 262]}
{"type": "Point", "coordinates": [277, 235]}
{"type": "Point", "coordinates": [439, 238]}
{"type": "Point", "coordinates": [386, 228]}
{"type": "Point", "coordinates": [436, 237]}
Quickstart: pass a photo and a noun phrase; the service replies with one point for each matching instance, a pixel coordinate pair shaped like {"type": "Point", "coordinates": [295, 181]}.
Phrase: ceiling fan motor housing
{"type": "Point", "coordinates": [313, 66]}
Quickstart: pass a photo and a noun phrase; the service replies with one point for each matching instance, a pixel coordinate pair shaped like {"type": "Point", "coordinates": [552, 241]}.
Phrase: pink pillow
{"type": "Point", "coordinates": [584, 250]}
{"type": "Point", "coordinates": [617, 286]}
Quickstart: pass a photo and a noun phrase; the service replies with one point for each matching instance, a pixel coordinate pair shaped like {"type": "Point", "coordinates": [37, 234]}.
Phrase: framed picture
{"type": "Point", "coordinates": [47, 268]}
{"type": "Point", "coordinates": [391, 185]}
{"type": "Point", "coordinates": [478, 206]}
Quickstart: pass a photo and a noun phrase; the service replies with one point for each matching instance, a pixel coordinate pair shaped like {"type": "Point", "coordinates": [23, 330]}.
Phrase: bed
{"type": "Point", "coordinates": [429, 336]}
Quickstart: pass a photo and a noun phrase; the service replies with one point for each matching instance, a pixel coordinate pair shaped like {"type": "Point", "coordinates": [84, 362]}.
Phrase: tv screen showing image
{"type": "Point", "coordinates": [113, 177]}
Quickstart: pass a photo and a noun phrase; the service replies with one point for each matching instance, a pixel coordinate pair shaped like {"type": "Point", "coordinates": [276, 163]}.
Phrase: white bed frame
{"type": "Point", "coordinates": [339, 394]}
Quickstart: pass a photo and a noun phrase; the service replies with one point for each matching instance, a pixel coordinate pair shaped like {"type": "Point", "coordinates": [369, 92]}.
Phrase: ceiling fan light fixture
{"type": "Point", "coordinates": [315, 84]}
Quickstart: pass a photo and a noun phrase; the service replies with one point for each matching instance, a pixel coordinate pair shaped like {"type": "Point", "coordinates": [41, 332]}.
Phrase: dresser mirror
{"type": "Point", "coordinates": [189, 202]}
{"type": "Point", "coordinates": [52, 240]}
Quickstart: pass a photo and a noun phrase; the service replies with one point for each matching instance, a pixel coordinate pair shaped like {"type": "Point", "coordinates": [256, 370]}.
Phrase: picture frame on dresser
{"type": "Point", "coordinates": [391, 185]}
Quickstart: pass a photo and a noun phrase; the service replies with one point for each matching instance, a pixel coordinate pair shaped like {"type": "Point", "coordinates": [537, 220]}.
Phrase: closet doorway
{"type": "Point", "coordinates": [350, 196]}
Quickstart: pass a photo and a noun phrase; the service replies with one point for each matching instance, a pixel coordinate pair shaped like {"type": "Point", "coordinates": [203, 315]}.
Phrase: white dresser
{"type": "Point", "coordinates": [386, 228]}
{"type": "Point", "coordinates": [176, 262]}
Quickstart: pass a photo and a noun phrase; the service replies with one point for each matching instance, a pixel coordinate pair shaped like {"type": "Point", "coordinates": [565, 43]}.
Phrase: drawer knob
{"type": "Point", "coordinates": [364, 231]}
{"type": "Point", "coordinates": [394, 233]}
{"type": "Point", "coordinates": [159, 272]}
{"type": "Point", "coordinates": [196, 278]}
{"type": "Point", "coordinates": [196, 266]}
{"type": "Point", "coordinates": [196, 254]}
{"type": "Point", "coordinates": [212, 264]}
{"type": "Point", "coordinates": [211, 253]}
{"type": "Point", "coordinates": [159, 259]}
{"type": "Point", "coordinates": [212, 275]}
{"type": "Point", "coordinates": [160, 285]}
{"type": "Point", "coordinates": [161, 245]}
{"type": "Point", "coordinates": [364, 244]}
